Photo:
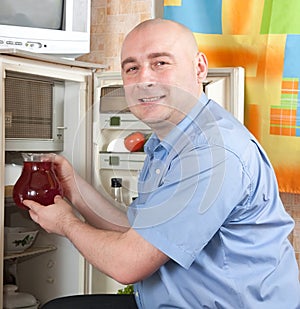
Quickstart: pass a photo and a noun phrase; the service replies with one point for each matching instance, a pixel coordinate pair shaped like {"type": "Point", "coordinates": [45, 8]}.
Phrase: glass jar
{"type": "Point", "coordinates": [38, 181]}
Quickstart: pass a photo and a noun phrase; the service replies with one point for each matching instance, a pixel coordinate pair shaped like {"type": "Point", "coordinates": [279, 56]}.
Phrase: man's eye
{"type": "Point", "coordinates": [131, 69]}
{"type": "Point", "coordinates": [161, 63]}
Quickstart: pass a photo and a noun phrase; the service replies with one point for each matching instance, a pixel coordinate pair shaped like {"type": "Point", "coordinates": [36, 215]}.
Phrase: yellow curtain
{"type": "Point", "coordinates": [264, 38]}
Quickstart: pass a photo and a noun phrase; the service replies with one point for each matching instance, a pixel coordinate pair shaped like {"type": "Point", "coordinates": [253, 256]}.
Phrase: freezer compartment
{"type": "Point", "coordinates": [113, 99]}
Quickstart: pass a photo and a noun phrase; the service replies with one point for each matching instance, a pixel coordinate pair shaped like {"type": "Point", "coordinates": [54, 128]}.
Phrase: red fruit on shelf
{"type": "Point", "coordinates": [135, 141]}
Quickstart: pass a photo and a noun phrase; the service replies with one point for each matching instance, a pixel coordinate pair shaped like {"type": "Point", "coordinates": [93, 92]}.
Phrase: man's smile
{"type": "Point", "coordinates": [151, 99]}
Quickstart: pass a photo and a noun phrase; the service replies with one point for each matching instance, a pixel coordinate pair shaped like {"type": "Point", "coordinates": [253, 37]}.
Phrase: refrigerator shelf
{"type": "Point", "coordinates": [29, 252]}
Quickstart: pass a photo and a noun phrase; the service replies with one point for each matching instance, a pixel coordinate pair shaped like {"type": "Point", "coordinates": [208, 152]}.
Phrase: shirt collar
{"type": "Point", "coordinates": [167, 143]}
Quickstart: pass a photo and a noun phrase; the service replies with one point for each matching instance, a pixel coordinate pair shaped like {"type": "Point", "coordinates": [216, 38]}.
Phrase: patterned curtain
{"type": "Point", "coordinates": [263, 36]}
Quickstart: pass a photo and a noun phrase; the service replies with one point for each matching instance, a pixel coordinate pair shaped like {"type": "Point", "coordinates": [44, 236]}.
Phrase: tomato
{"type": "Point", "coordinates": [135, 141]}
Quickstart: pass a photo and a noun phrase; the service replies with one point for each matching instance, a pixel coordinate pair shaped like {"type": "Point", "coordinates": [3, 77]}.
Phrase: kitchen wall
{"type": "Point", "coordinates": [111, 20]}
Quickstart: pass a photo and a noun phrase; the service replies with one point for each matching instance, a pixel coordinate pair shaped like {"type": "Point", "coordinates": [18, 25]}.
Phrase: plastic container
{"type": "Point", "coordinates": [13, 299]}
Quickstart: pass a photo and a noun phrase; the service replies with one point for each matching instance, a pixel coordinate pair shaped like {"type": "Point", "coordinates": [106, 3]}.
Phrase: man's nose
{"type": "Point", "coordinates": [145, 77]}
{"type": "Point", "coordinates": [145, 85]}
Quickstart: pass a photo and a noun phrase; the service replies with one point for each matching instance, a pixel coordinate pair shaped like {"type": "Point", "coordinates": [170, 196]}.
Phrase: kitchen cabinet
{"type": "Point", "coordinates": [52, 267]}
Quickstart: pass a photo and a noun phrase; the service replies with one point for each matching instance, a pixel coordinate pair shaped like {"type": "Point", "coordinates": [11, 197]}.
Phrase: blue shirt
{"type": "Point", "coordinates": [208, 199]}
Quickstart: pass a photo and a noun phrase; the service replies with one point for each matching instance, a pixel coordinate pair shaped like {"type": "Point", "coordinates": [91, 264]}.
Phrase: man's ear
{"type": "Point", "coordinates": [202, 67]}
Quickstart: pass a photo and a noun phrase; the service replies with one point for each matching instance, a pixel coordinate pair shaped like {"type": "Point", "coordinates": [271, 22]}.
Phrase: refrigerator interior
{"type": "Point", "coordinates": [112, 121]}
{"type": "Point", "coordinates": [52, 267]}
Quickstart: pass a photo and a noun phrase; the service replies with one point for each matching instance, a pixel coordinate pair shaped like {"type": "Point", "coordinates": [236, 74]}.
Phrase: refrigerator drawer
{"type": "Point", "coordinates": [122, 161]}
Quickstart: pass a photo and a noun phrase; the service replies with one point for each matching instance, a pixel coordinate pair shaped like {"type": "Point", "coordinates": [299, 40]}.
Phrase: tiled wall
{"type": "Point", "coordinates": [292, 205]}
{"type": "Point", "coordinates": [111, 20]}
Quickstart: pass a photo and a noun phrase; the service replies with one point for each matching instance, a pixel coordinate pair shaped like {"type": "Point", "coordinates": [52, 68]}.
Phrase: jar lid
{"type": "Point", "coordinates": [116, 182]}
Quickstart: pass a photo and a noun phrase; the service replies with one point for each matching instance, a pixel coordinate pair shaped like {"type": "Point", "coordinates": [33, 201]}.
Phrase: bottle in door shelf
{"type": "Point", "coordinates": [116, 190]}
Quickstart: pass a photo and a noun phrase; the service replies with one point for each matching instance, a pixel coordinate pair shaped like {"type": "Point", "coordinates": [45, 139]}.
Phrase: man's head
{"type": "Point", "coordinates": [162, 71]}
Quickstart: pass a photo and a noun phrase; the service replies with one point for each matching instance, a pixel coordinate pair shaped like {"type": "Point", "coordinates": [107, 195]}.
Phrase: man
{"type": "Point", "coordinates": [208, 229]}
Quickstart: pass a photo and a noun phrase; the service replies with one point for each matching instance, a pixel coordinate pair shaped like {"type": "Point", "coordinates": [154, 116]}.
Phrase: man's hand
{"type": "Point", "coordinates": [53, 218]}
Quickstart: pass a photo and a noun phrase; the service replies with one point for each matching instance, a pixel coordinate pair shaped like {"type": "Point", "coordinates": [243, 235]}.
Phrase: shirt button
{"type": "Point", "coordinates": [157, 171]}
{"type": "Point", "coordinates": [137, 294]}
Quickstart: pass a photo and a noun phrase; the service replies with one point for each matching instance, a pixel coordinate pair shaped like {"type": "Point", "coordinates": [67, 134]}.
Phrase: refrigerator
{"type": "Point", "coordinates": [95, 120]}
{"type": "Point", "coordinates": [112, 123]}
{"type": "Point", "coordinates": [43, 94]}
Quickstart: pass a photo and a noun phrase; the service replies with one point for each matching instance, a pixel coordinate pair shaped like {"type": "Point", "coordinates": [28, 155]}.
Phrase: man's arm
{"type": "Point", "coordinates": [124, 256]}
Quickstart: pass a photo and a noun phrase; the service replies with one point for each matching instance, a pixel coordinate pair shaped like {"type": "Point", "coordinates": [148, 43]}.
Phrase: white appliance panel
{"type": "Point", "coordinates": [58, 269]}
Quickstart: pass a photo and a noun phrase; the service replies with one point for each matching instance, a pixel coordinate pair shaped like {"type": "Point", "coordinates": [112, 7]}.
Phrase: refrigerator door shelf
{"type": "Point", "coordinates": [122, 161]}
{"type": "Point", "coordinates": [121, 121]}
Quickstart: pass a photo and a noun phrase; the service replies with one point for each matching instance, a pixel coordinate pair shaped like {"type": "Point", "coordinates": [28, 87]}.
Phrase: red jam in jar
{"type": "Point", "coordinates": [38, 181]}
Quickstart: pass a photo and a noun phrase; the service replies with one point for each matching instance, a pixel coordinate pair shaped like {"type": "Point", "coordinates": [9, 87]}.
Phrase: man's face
{"type": "Point", "coordinates": [159, 75]}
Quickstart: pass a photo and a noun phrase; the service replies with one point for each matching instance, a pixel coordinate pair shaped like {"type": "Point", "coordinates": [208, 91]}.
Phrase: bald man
{"type": "Point", "coordinates": [208, 228]}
